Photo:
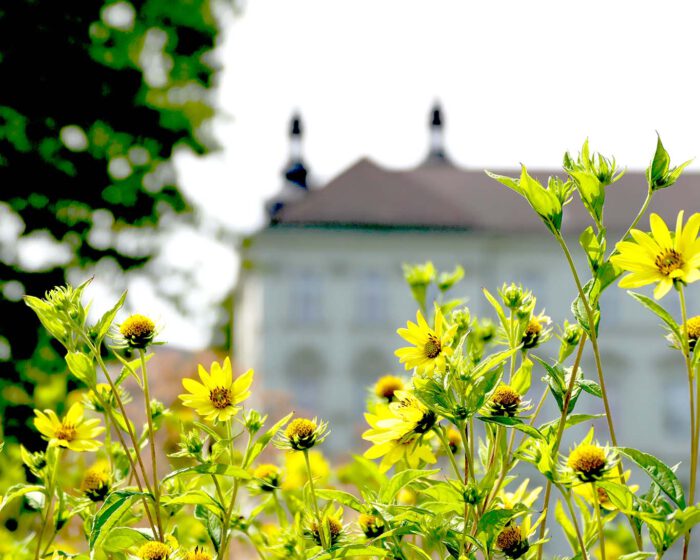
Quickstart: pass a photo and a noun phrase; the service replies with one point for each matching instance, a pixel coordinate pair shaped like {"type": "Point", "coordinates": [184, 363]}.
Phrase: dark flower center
{"type": "Point", "coordinates": [432, 347]}
{"type": "Point", "coordinates": [220, 397]}
{"type": "Point", "coordinates": [668, 261]}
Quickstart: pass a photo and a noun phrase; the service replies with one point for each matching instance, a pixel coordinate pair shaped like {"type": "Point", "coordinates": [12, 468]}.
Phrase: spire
{"type": "Point", "coordinates": [437, 145]}
{"type": "Point", "coordinates": [295, 173]}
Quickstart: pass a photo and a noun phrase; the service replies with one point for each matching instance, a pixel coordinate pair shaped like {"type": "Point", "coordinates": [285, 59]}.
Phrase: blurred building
{"type": "Point", "coordinates": [322, 292]}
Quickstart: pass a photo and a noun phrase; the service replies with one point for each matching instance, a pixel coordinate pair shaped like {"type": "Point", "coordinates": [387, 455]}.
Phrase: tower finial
{"type": "Point", "coordinates": [437, 152]}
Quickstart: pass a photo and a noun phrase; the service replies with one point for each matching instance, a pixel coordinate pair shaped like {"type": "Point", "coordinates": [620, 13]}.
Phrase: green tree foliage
{"type": "Point", "coordinates": [96, 95]}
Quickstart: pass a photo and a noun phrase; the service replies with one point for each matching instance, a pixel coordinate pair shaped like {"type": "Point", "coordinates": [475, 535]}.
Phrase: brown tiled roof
{"type": "Point", "coordinates": [444, 196]}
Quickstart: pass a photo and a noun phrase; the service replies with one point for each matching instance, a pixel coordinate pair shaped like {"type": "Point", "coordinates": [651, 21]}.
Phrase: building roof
{"type": "Point", "coordinates": [443, 196]}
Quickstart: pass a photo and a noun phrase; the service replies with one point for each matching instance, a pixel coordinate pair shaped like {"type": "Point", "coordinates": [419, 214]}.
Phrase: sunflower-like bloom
{"type": "Point", "coordinates": [512, 542]}
{"type": "Point", "coordinates": [138, 331]}
{"type": "Point", "coordinates": [431, 346]}
{"type": "Point", "coordinates": [302, 434]}
{"type": "Point", "coordinates": [521, 496]}
{"type": "Point", "coordinates": [372, 525]}
{"type": "Point", "coordinates": [396, 430]}
{"type": "Point", "coordinates": [590, 462]}
{"type": "Point", "coordinates": [332, 525]}
{"type": "Point", "coordinates": [536, 332]}
{"type": "Point", "coordinates": [154, 550]}
{"type": "Point", "coordinates": [505, 401]}
{"type": "Point", "coordinates": [73, 431]}
{"type": "Point", "coordinates": [96, 481]}
{"type": "Point", "coordinates": [216, 397]}
{"type": "Point", "coordinates": [387, 385]}
{"type": "Point", "coordinates": [198, 554]}
{"type": "Point", "coordinates": [268, 477]}
{"type": "Point", "coordinates": [661, 257]}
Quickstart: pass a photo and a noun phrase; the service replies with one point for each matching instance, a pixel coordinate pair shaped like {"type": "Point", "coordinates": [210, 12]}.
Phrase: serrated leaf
{"type": "Point", "coordinates": [513, 422]}
{"type": "Point", "coordinates": [341, 497]}
{"type": "Point", "coordinates": [657, 310]}
{"type": "Point", "coordinates": [108, 516]}
{"type": "Point", "coordinates": [399, 480]}
{"type": "Point", "coordinates": [262, 442]}
{"type": "Point", "coordinates": [102, 327]}
{"type": "Point", "coordinates": [659, 472]}
{"type": "Point", "coordinates": [591, 387]}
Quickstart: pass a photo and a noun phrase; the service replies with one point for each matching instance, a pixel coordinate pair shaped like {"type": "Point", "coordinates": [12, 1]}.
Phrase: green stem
{"type": "Point", "coordinates": [50, 494]}
{"type": "Point", "coordinates": [639, 216]}
{"type": "Point", "coordinates": [152, 443]}
{"type": "Point", "coordinates": [577, 529]}
{"type": "Point", "coordinates": [694, 415]}
{"type": "Point", "coordinates": [599, 368]}
{"type": "Point", "coordinates": [599, 520]}
{"type": "Point", "coordinates": [557, 441]}
{"type": "Point", "coordinates": [440, 432]}
{"type": "Point", "coordinates": [226, 537]}
{"type": "Point", "coordinates": [281, 515]}
{"type": "Point", "coordinates": [319, 521]}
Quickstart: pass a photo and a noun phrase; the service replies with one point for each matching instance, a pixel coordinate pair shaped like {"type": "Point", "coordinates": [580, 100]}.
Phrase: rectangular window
{"type": "Point", "coordinates": [372, 295]}
{"type": "Point", "coordinates": [306, 298]}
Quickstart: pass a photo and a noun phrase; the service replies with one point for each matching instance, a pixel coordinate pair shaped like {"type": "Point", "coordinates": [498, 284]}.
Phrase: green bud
{"type": "Point", "coordinates": [254, 421]}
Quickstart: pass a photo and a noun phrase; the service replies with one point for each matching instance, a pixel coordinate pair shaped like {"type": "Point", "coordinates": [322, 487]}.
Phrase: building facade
{"type": "Point", "coordinates": [322, 292]}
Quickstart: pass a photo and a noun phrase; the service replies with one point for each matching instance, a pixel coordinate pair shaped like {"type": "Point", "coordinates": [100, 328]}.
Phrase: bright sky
{"type": "Point", "coordinates": [518, 81]}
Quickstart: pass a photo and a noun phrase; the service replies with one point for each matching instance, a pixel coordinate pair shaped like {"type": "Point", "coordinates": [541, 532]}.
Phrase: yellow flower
{"type": "Point", "coordinates": [302, 434]}
{"type": "Point", "coordinates": [510, 500]}
{"type": "Point", "coordinates": [295, 469]}
{"type": "Point", "coordinates": [388, 385]}
{"type": "Point", "coordinates": [268, 476]}
{"type": "Point", "coordinates": [454, 439]}
{"type": "Point", "coordinates": [217, 396]}
{"type": "Point", "coordinates": [535, 332]}
{"type": "Point", "coordinates": [154, 550]}
{"type": "Point", "coordinates": [661, 257]}
{"type": "Point", "coordinates": [396, 430]}
{"type": "Point", "coordinates": [692, 326]}
{"type": "Point", "coordinates": [511, 541]}
{"type": "Point", "coordinates": [96, 481]}
{"type": "Point", "coordinates": [372, 525]}
{"type": "Point", "coordinates": [198, 554]}
{"type": "Point", "coordinates": [73, 432]}
{"type": "Point", "coordinates": [590, 462]}
{"type": "Point", "coordinates": [430, 346]}
{"type": "Point", "coordinates": [138, 331]}
{"type": "Point", "coordinates": [333, 526]}
{"type": "Point", "coordinates": [504, 401]}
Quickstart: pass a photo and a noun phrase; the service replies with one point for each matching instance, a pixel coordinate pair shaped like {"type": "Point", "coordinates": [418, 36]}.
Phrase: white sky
{"type": "Point", "coordinates": [518, 81]}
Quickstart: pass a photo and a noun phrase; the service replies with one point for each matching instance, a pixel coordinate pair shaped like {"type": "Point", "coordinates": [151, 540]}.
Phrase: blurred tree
{"type": "Point", "coordinates": [96, 95]}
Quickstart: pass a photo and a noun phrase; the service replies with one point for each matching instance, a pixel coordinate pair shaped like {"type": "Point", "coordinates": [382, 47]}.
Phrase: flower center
{"type": "Point", "coordinates": [432, 347]}
{"type": "Point", "coordinates": [220, 397]}
{"type": "Point", "coordinates": [668, 261]}
{"type": "Point", "coordinates": [66, 432]}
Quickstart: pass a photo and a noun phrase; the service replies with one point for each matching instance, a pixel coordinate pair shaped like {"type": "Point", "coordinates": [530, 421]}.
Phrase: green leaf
{"type": "Point", "coordinates": [509, 182]}
{"type": "Point", "coordinates": [399, 480]}
{"type": "Point", "coordinates": [494, 360]}
{"type": "Point", "coordinates": [513, 422]}
{"type": "Point", "coordinates": [619, 494]}
{"type": "Point", "coordinates": [591, 387]}
{"type": "Point", "coordinates": [522, 379]}
{"type": "Point", "coordinates": [120, 539]}
{"type": "Point", "coordinates": [419, 552]}
{"type": "Point", "coordinates": [660, 164]}
{"type": "Point", "coordinates": [592, 193]}
{"type": "Point", "coordinates": [592, 291]}
{"type": "Point", "coordinates": [102, 327]}
{"type": "Point", "coordinates": [492, 522]}
{"type": "Point", "coordinates": [595, 251]}
{"type": "Point", "coordinates": [571, 420]}
{"type": "Point", "coordinates": [341, 497]}
{"type": "Point", "coordinates": [108, 516]}
{"type": "Point", "coordinates": [211, 468]}
{"type": "Point", "coordinates": [194, 497]}
{"type": "Point", "coordinates": [659, 472]}
{"type": "Point", "coordinates": [659, 311]}
{"type": "Point", "coordinates": [350, 551]}
{"type": "Point", "coordinates": [566, 525]}
{"type": "Point", "coordinates": [17, 491]}
{"type": "Point", "coordinates": [639, 555]}
{"type": "Point", "coordinates": [262, 442]}
{"type": "Point", "coordinates": [82, 367]}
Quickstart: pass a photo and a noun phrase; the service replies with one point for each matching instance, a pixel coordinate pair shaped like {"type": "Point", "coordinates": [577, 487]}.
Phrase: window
{"type": "Point", "coordinates": [306, 298]}
{"type": "Point", "coordinates": [372, 296]}
{"type": "Point", "coordinates": [368, 365]}
{"type": "Point", "coordinates": [306, 368]}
